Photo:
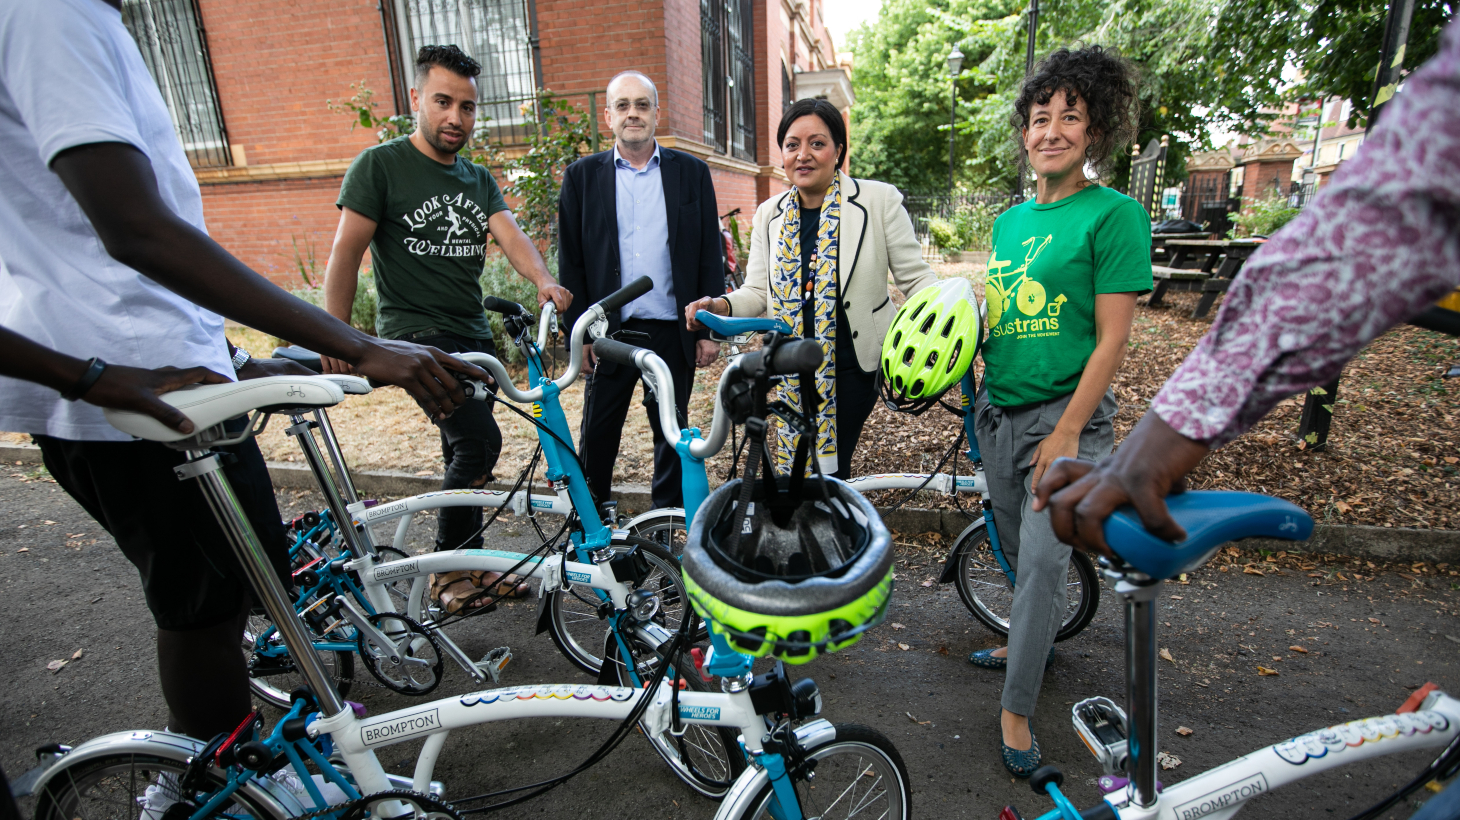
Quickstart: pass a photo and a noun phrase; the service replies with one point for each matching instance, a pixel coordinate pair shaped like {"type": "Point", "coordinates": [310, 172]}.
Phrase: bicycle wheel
{"type": "Point", "coordinates": [858, 774]}
{"type": "Point", "coordinates": [272, 678]}
{"type": "Point", "coordinates": [127, 785]}
{"type": "Point", "coordinates": [664, 526]}
{"type": "Point", "coordinates": [985, 589]}
{"type": "Point", "coordinates": [573, 617]}
{"type": "Point", "coordinates": [706, 758]}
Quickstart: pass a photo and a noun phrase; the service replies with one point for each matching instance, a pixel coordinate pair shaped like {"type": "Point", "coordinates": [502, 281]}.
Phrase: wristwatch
{"type": "Point", "coordinates": [241, 357]}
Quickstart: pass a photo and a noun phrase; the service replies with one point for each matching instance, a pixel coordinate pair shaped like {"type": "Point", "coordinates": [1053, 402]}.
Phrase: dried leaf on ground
{"type": "Point", "coordinates": [904, 647]}
{"type": "Point", "coordinates": [899, 626]}
{"type": "Point", "coordinates": [55, 666]}
{"type": "Point", "coordinates": [1251, 570]}
{"type": "Point", "coordinates": [1264, 671]}
{"type": "Point", "coordinates": [1167, 760]}
{"type": "Point", "coordinates": [77, 655]}
{"type": "Point", "coordinates": [1166, 655]}
{"type": "Point", "coordinates": [1184, 731]}
{"type": "Point", "coordinates": [1298, 649]}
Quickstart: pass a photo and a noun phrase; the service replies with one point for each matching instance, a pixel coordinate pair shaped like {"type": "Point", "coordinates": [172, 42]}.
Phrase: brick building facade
{"type": "Point", "coordinates": [248, 80]}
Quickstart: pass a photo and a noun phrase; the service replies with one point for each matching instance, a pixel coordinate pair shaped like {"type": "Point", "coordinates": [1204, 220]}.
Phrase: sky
{"type": "Point", "coordinates": [844, 15]}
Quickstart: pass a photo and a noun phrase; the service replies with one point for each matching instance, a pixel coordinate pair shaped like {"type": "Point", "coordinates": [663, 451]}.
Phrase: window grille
{"type": "Point", "coordinates": [170, 35]}
{"type": "Point", "coordinates": [788, 94]}
{"type": "Point", "coordinates": [727, 29]}
{"type": "Point", "coordinates": [497, 33]}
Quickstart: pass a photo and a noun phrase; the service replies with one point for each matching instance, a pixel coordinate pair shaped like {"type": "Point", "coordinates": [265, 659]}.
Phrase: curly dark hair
{"type": "Point", "coordinates": [450, 58]}
{"type": "Point", "coordinates": [1104, 80]}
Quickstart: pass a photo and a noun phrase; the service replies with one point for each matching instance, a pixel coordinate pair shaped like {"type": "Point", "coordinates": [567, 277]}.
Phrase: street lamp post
{"type": "Point", "coordinates": [1033, 12]}
{"type": "Point", "coordinates": [955, 65]}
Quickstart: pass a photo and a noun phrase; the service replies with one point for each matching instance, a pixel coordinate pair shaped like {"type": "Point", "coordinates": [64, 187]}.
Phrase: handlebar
{"type": "Point", "coordinates": [612, 350]}
{"type": "Point", "coordinates": [591, 316]}
{"type": "Point", "coordinates": [502, 306]}
{"type": "Point", "coordinates": [791, 358]}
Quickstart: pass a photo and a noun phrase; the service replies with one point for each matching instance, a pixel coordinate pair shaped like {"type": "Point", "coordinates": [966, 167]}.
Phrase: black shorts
{"type": "Point", "coordinates": [165, 527]}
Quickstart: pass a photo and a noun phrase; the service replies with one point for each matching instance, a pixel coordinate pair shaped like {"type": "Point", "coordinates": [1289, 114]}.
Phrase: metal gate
{"type": "Point", "coordinates": [1206, 202]}
{"type": "Point", "coordinates": [1147, 171]}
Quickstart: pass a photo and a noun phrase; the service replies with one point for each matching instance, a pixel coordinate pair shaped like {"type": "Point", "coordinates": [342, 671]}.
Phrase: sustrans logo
{"type": "Point", "coordinates": [396, 570]}
{"type": "Point", "coordinates": [1223, 798]}
{"type": "Point", "coordinates": [409, 726]}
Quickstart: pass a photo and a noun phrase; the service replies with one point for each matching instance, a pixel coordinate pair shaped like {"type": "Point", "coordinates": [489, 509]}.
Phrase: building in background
{"type": "Point", "coordinates": [247, 83]}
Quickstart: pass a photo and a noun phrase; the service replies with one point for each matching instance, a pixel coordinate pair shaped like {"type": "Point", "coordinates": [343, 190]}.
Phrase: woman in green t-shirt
{"type": "Point", "coordinates": [1061, 290]}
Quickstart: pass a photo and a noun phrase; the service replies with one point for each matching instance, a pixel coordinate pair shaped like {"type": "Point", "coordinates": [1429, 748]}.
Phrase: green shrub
{"type": "Point", "coordinates": [362, 313]}
{"type": "Point", "coordinates": [973, 225]}
{"type": "Point", "coordinates": [1265, 216]}
{"type": "Point", "coordinates": [944, 234]}
{"type": "Point", "coordinates": [499, 279]}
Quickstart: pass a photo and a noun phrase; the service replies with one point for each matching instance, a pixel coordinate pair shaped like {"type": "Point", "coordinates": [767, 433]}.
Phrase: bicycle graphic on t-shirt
{"type": "Point", "coordinates": [1023, 293]}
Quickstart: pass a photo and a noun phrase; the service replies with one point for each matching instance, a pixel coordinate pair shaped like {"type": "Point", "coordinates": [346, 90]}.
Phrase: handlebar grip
{"type": "Point", "coordinates": [612, 350]}
{"type": "Point", "coordinates": [800, 356]}
{"type": "Point", "coordinates": [502, 306]}
{"type": "Point", "coordinates": [626, 294]}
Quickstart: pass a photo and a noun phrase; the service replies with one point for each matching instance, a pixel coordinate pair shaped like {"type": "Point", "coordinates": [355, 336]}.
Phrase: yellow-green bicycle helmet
{"type": "Point", "coordinates": [805, 576]}
{"type": "Point", "coordinates": [929, 346]}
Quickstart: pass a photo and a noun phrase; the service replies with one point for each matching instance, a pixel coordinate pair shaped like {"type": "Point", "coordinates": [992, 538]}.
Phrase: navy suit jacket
{"type": "Point", "coordinates": [588, 252]}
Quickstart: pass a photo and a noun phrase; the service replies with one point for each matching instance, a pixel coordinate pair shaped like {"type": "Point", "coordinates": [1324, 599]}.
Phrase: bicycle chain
{"type": "Point", "coordinates": [355, 809]}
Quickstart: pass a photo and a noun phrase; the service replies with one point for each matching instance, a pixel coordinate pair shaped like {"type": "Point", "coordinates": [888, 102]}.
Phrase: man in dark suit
{"type": "Point", "coordinates": [639, 210]}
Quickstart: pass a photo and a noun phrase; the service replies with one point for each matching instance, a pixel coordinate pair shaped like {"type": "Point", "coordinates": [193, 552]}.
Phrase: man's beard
{"type": "Point", "coordinates": [433, 138]}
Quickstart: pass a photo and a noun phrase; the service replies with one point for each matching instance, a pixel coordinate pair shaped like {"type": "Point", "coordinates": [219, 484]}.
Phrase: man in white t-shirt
{"type": "Point", "coordinates": [104, 257]}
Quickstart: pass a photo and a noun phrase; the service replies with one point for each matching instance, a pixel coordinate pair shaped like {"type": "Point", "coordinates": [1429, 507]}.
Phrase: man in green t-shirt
{"type": "Point", "coordinates": [426, 213]}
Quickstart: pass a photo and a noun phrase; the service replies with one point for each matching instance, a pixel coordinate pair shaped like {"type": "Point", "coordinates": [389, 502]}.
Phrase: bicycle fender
{"type": "Point", "coordinates": [171, 747]}
{"type": "Point", "coordinates": [748, 786]}
{"type": "Point", "coordinates": [950, 564]}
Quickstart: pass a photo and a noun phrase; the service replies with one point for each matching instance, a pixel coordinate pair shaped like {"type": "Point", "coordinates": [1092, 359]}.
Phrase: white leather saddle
{"type": "Point", "coordinates": [352, 385]}
{"type": "Point", "coordinates": [208, 405]}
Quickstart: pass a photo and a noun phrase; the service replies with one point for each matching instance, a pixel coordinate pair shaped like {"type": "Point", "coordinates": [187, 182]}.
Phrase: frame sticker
{"type": "Point", "coordinates": [687, 712]}
{"type": "Point", "coordinates": [1356, 733]}
{"type": "Point", "coordinates": [420, 723]}
{"type": "Point", "coordinates": [582, 691]}
{"type": "Point", "coordinates": [579, 577]}
{"type": "Point", "coordinates": [401, 568]}
{"type": "Point", "coordinates": [385, 510]}
{"type": "Point", "coordinates": [1223, 798]}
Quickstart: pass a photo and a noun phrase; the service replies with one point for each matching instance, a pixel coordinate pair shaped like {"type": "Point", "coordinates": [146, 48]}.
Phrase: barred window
{"type": "Point", "coordinates": [497, 33]}
{"type": "Point", "coordinates": [170, 35]}
{"type": "Point", "coordinates": [727, 29]}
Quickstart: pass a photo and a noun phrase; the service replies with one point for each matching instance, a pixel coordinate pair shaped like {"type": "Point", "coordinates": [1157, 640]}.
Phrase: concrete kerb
{"type": "Point", "coordinates": [1378, 543]}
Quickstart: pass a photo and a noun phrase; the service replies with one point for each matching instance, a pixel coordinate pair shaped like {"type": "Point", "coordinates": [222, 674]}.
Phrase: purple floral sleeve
{"type": "Point", "coordinates": [1378, 245]}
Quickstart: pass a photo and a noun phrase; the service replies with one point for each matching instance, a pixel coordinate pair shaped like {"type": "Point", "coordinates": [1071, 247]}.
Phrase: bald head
{"type": "Point", "coordinates": [643, 85]}
{"type": "Point", "coordinates": [633, 111]}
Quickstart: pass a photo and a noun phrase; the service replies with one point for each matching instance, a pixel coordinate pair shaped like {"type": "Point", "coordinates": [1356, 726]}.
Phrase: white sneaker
{"type": "Point", "coordinates": [159, 797]}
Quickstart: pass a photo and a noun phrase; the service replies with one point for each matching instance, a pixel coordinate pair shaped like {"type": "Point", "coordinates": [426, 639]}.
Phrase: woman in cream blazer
{"type": "Point", "coordinates": [839, 291]}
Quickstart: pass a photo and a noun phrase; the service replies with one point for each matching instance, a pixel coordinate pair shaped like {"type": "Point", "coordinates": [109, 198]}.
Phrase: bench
{"type": "Point", "coordinates": [1173, 279]}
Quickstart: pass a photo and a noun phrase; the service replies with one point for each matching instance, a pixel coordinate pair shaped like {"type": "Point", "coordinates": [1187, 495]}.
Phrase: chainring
{"type": "Point", "coordinates": [420, 669]}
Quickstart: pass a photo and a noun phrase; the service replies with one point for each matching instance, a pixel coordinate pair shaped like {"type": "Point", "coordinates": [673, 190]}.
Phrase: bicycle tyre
{"type": "Point", "coordinates": [108, 787]}
{"type": "Point", "coordinates": [714, 751]}
{"type": "Point", "coordinates": [573, 618]}
{"type": "Point", "coordinates": [664, 526]}
{"type": "Point", "coordinates": [841, 764]}
{"type": "Point", "coordinates": [275, 689]}
{"type": "Point", "coordinates": [986, 592]}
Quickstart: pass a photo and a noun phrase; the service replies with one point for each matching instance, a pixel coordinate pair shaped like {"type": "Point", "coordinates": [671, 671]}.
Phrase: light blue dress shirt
{"type": "Point", "coordinates": [643, 237]}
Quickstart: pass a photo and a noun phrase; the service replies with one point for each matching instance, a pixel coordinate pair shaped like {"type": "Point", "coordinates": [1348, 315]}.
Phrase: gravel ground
{"type": "Point", "coordinates": [1371, 638]}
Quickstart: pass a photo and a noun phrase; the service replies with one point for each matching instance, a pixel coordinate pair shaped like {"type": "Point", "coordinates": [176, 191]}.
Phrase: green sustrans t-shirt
{"type": "Point", "coordinates": [1048, 263]}
{"type": "Point", "coordinates": [430, 238]}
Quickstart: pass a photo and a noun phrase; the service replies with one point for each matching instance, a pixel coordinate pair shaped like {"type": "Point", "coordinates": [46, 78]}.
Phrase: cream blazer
{"type": "Point", "coordinates": [876, 238]}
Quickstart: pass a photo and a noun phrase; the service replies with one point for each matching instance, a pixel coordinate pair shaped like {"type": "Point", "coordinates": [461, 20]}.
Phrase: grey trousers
{"type": "Point", "coordinates": [1007, 438]}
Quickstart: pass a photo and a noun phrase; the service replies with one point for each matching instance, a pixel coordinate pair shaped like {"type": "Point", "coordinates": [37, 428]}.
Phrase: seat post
{"type": "Point", "coordinates": [205, 466]}
{"type": "Point", "coordinates": [1140, 593]}
{"type": "Point", "coordinates": [337, 457]}
{"type": "Point", "coordinates": [302, 431]}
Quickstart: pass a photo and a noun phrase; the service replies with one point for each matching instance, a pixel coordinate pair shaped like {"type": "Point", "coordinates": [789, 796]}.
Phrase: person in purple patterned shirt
{"type": "Point", "coordinates": [1379, 245]}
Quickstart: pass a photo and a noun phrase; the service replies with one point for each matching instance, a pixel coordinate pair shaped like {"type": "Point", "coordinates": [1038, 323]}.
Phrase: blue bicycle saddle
{"type": "Point", "coordinates": [735, 326]}
{"type": "Point", "coordinates": [1211, 518]}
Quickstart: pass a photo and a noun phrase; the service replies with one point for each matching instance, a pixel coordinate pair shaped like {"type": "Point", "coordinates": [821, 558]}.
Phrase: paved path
{"type": "Point", "coordinates": [1368, 647]}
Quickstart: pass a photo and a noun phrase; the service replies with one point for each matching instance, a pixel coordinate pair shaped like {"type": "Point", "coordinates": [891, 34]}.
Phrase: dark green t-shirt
{"type": "Point", "coordinates": [430, 240]}
{"type": "Point", "coordinates": [1047, 264]}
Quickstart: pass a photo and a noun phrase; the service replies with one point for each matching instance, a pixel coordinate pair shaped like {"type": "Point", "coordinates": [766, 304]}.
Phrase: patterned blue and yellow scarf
{"type": "Point", "coordinates": [787, 299]}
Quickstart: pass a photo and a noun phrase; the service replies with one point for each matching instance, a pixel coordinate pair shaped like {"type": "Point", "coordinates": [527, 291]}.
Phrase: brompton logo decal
{"type": "Point", "coordinates": [408, 726]}
{"type": "Point", "coordinates": [384, 510]}
{"type": "Point", "coordinates": [399, 569]}
{"type": "Point", "coordinates": [1222, 798]}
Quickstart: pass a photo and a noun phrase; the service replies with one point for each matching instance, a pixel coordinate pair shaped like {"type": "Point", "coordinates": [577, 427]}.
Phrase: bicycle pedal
{"type": "Point", "coordinates": [494, 662]}
{"type": "Point", "coordinates": [1102, 725]}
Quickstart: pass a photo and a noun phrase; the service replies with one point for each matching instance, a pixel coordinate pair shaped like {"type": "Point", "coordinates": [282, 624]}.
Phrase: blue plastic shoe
{"type": "Point", "coordinates": [986, 659]}
{"type": "Point", "coordinates": [1021, 763]}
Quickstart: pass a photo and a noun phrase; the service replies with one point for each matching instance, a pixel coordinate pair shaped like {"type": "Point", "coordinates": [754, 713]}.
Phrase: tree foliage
{"type": "Point", "coordinates": [1203, 63]}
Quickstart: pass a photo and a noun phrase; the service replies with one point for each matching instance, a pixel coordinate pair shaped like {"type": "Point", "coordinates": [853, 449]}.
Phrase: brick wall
{"type": "Point", "coordinates": [277, 61]}
{"type": "Point", "coordinates": [259, 222]}
{"type": "Point", "coordinates": [733, 190]}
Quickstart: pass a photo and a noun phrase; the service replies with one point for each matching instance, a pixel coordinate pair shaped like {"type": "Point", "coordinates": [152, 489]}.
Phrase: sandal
{"type": "Point", "coordinates": [503, 586]}
{"type": "Point", "coordinates": [446, 589]}
{"type": "Point", "coordinates": [1021, 762]}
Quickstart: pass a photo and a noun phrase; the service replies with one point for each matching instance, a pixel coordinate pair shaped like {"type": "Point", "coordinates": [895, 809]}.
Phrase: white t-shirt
{"type": "Point", "coordinates": [70, 74]}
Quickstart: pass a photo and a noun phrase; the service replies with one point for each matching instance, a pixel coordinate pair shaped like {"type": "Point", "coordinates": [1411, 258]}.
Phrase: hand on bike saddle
{"type": "Point", "coordinates": [137, 389]}
{"type": "Point", "coordinates": [424, 372]}
{"type": "Point", "coordinates": [1149, 465]}
{"type": "Point", "coordinates": [710, 303]}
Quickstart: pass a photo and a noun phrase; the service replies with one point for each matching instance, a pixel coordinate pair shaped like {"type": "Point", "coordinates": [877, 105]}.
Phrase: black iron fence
{"type": "Point", "coordinates": [528, 111]}
{"type": "Point", "coordinates": [1206, 201]}
{"type": "Point", "coordinates": [922, 207]}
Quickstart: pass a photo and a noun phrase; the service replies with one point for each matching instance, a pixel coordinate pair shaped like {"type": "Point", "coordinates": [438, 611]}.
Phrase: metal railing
{"type": "Point", "coordinates": [529, 111]}
{"type": "Point", "coordinates": [170, 35]}
{"type": "Point", "coordinates": [922, 207]}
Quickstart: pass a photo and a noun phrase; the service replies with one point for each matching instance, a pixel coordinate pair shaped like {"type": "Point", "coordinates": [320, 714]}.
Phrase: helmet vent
{"type": "Point", "coordinates": [927, 324]}
{"type": "Point", "coordinates": [957, 349]}
{"type": "Point", "coordinates": [932, 360]}
{"type": "Point", "coordinates": [948, 327]}
{"type": "Point", "coordinates": [917, 310]}
{"type": "Point", "coordinates": [907, 354]}
{"type": "Point", "coordinates": [917, 387]}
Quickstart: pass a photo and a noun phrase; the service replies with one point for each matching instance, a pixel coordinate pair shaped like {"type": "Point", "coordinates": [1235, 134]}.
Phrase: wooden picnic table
{"type": "Point", "coordinates": [1232, 252]}
{"type": "Point", "coordinates": [1160, 252]}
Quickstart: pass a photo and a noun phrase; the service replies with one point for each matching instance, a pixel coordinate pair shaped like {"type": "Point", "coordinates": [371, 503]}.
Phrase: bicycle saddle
{"type": "Point", "coordinates": [352, 385]}
{"type": "Point", "coordinates": [733, 326]}
{"type": "Point", "coordinates": [1211, 518]}
{"type": "Point", "coordinates": [208, 405]}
